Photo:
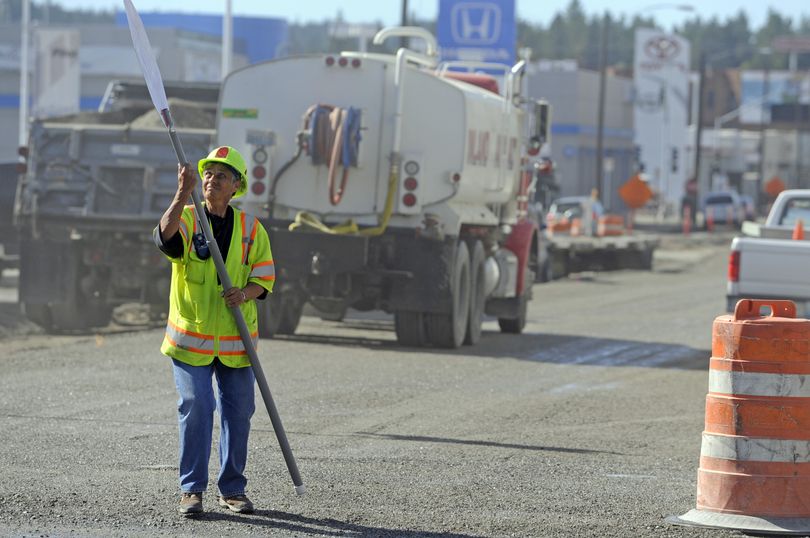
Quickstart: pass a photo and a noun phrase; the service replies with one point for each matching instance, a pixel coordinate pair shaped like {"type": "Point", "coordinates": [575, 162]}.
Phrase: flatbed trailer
{"type": "Point", "coordinates": [573, 254]}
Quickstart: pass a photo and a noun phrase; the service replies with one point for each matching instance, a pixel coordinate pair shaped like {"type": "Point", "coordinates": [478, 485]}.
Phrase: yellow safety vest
{"type": "Point", "coordinates": [200, 325]}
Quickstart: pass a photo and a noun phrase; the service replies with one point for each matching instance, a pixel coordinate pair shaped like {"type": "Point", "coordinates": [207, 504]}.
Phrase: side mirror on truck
{"type": "Point", "coordinates": [540, 126]}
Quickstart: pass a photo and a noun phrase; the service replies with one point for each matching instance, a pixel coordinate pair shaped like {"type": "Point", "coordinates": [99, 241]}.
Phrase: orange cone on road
{"type": "Point", "coordinates": [710, 219]}
{"type": "Point", "coordinates": [687, 220]}
{"type": "Point", "coordinates": [798, 230]}
{"type": "Point", "coordinates": [754, 470]}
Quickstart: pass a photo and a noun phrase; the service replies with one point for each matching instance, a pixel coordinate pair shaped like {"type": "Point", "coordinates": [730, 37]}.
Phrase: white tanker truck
{"type": "Point", "coordinates": [391, 182]}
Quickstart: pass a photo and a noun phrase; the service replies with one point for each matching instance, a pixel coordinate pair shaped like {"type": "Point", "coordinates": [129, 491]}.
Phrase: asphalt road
{"type": "Point", "coordinates": [588, 424]}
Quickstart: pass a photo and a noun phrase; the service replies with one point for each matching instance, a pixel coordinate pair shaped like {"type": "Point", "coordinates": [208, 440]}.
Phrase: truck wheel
{"type": "Point", "coordinates": [559, 265]}
{"type": "Point", "coordinates": [67, 317]}
{"type": "Point", "coordinates": [279, 313]}
{"type": "Point", "coordinates": [641, 259]}
{"type": "Point", "coordinates": [410, 328]}
{"type": "Point", "coordinates": [515, 325]}
{"type": "Point", "coordinates": [448, 330]}
{"type": "Point", "coordinates": [477, 298]}
{"type": "Point", "coordinates": [39, 313]}
{"type": "Point", "coordinates": [647, 259]}
{"type": "Point", "coordinates": [99, 315]}
{"type": "Point", "coordinates": [291, 316]}
{"type": "Point", "coordinates": [544, 274]}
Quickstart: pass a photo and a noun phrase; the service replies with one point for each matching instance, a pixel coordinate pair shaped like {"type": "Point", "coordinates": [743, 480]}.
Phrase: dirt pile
{"type": "Point", "coordinates": [186, 114]}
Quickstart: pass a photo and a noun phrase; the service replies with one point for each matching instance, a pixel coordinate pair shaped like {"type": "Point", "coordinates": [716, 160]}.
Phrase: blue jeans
{"type": "Point", "coordinates": [195, 411]}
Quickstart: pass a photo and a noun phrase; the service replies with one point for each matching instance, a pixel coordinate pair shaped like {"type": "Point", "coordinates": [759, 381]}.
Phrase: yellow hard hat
{"type": "Point", "coordinates": [233, 159]}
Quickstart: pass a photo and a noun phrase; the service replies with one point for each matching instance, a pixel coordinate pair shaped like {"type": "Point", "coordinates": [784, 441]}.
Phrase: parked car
{"type": "Point", "coordinates": [568, 208]}
{"type": "Point", "coordinates": [722, 207]}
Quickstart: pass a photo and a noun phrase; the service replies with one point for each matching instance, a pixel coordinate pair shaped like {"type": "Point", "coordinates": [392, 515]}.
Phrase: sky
{"type": "Point", "coordinates": [533, 11]}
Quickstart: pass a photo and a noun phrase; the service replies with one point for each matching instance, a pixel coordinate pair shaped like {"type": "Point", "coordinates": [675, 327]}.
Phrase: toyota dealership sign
{"type": "Point", "coordinates": [661, 80]}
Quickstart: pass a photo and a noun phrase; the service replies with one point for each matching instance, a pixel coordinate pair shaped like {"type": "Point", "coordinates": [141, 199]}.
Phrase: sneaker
{"type": "Point", "coordinates": [190, 503]}
{"type": "Point", "coordinates": [237, 503]}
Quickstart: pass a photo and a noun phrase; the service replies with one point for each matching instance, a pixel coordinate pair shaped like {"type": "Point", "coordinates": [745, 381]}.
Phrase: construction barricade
{"type": "Point", "coordinates": [610, 225]}
{"type": "Point", "coordinates": [560, 225]}
{"type": "Point", "coordinates": [754, 470]}
{"type": "Point", "coordinates": [576, 227]}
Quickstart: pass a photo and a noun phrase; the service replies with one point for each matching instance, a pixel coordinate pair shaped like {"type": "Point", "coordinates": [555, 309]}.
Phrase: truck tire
{"type": "Point", "coordinates": [558, 260]}
{"type": "Point", "coordinates": [448, 330]}
{"type": "Point", "coordinates": [477, 299]}
{"type": "Point", "coordinates": [410, 328]}
{"type": "Point", "coordinates": [646, 259]}
{"type": "Point", "coordinates": [279, 313]}
{"type": "Point", "coordinates": [515, 325]}
{"type": "Point", "coordinates": [39, 313]}
{"type": "Point", "coordinates": [69, 317]}
{"type": "Point", "coordinates": [77, 314]}
{"type": "Point", "coordinates": [544, 273]}
{"type": "Point", "coordinates": [291, 317]}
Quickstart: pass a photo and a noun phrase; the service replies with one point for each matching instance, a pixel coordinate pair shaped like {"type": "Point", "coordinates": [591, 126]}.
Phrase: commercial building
{"type": "Point", "coordinates": [574, 97]}
{"type": "Point", "coordinates": [188, 50]}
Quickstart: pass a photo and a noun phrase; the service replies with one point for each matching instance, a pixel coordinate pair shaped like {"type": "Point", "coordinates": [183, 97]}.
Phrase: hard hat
{"type": "Point", "coordinates": [233, 159]}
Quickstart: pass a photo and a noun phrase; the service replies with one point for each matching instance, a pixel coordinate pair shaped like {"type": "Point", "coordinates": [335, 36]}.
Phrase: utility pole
{"type": "Point", "coordinates": [600, 121]}
{"type": "Point", "coordinates": [763, 124]}
{"type": "Point", "coordinates": [702, 188]}
{"type": "Point", "coordinates": [403, 21]}
{"type": "Point", "coordinates": [24, 61]}
{"type": "Point", "coordinates": [227, 39]}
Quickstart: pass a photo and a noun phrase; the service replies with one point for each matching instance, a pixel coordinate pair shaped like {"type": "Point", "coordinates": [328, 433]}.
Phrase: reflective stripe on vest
{"type": "Point", "coordinates": [204, 343]}
{"type": "Point", "coordinates": [184, 231]}
{"type": "Point", "coordinates": [190, 341]}
{"type": "Point", "coordinates": [264, 271]}
{"type": "Point", "coordinates": [249, 229]}
{"type": "Point", "coordinates": [193, 227]}
{"type": "Point", "coordinates": [233, 345]}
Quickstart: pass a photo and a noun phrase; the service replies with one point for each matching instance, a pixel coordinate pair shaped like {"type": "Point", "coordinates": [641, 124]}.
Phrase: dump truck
{"type": "Point", "coordinates": [95, 185]}
{"type": "Point", "coordinates": [391, 182]}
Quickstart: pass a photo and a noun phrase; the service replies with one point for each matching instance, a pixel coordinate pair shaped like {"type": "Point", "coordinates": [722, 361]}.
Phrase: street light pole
{"type": "Point", "coordinates": [702, 186]}
{"type": "Point", "coordinates": [762, 126]}
{"type": "Point", "coordinates": [600, 121]}
{"type": "Point", "coordinates": [403, 21]}
{"type": "Point", "coordinates": [24, 61]}
{"type": "Point", "coordinates": [227, 39]}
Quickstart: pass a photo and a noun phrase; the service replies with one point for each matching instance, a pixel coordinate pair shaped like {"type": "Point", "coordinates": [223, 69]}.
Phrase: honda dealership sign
{"type": "Point", "coordinates": [481, 30]}
{"type": "Point", "coordinates": [661, 79]}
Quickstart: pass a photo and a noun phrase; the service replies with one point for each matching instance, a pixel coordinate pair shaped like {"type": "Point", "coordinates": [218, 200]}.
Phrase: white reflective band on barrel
{"type": "Point", "coordinates": [759, 384]}
{"type": "Point", "coordinates": [191, 342]}
{"type": "Point", "coordinates": [729, 447]}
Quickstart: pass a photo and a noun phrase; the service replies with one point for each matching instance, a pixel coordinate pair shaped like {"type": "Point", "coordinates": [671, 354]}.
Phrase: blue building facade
{"type": "Point", "coordinates": [259, 38]}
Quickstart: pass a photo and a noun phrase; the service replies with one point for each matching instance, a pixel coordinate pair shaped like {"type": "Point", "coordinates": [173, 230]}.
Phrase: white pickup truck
{"type": "Point", "coordinates": [766, 262]}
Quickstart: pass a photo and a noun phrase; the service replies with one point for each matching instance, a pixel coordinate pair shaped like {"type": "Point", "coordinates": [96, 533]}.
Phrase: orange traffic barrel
{"type": "Point", "coordinates": [560, 225]}
{"type": "Point", "coordinates": [609, 225]}
{"type": "Point", "coordinates": [576, 227]}
{"type": "Point", "coordinates": [754, 470]}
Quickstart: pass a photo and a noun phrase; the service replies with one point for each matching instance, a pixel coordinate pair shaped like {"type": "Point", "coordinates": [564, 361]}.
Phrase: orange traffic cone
{"type": "Point", "coordinates": [754, 472]}
{"type": "Point", "coordinates": [687, 220]}
{"type": "Point", "coordinates": [798, 230]}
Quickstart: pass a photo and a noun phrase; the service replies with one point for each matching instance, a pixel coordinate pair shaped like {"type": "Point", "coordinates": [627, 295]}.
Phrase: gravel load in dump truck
{"type": "Point", "coordinates": [186, 114]}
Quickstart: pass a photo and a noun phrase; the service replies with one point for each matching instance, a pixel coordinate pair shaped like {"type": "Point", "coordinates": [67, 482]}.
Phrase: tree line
{"type": "Point", "coordinates": [571, 34]}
